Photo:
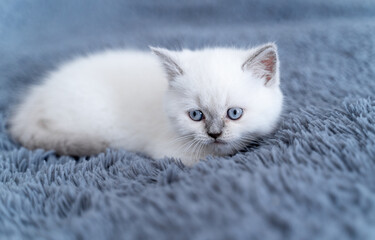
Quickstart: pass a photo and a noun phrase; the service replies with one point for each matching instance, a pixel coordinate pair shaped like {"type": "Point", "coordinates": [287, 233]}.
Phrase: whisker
{"type": "Point", "coordinates": [192, 144]}
{"type": "Point", "coordinates": [200, 147]}
{"type": "Point", "coordinates": [196, 145]}
{"type": "Point", "coordinates": [182, 138]}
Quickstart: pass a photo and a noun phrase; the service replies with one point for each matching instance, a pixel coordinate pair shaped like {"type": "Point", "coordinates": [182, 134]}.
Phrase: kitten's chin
{"type": "Point", "coordinates": [219, 147]}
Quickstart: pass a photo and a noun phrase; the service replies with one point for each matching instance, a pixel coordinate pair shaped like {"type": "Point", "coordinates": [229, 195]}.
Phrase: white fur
{"type": "Point", "coordinates": [123, 99]}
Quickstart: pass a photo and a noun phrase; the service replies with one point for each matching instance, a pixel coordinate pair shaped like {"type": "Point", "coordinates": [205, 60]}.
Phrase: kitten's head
{"type": "Point", "coordinates": [220, 99]}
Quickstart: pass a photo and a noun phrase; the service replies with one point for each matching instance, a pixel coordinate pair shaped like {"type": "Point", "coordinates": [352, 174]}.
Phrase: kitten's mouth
{"type": "Point", "coordinates": [219, 142]}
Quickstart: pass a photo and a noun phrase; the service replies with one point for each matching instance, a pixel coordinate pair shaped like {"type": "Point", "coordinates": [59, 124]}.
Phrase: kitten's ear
{"type": "Point", "coordinates": [264, 63]}
{"type": "Point", "coordinates": [170, 65]}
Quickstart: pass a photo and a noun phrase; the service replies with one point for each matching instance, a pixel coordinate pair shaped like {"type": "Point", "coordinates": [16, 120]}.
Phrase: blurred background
{"type": "Point", "coordinates": [36, 35]}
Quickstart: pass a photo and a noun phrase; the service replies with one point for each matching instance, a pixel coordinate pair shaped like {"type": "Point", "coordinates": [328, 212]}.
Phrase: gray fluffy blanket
{"type": "Point", "coordinates": [314, 178]}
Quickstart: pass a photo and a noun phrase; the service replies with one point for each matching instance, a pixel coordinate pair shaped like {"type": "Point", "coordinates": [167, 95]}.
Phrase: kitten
{"type": "Point", "coordinates": [186, 104]}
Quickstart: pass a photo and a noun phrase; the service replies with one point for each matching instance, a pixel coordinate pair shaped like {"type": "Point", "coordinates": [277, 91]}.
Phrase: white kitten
{"type": "Point", "coordinates": [185, 105]}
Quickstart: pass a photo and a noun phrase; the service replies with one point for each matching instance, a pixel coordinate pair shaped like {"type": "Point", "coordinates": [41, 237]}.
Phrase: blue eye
{"type": "Point", "coordinates": [196, 115]}
{"type": "Point", "coordinates": [235, 113]}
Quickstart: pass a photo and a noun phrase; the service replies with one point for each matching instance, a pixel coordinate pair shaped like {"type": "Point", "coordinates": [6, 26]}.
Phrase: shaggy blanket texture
{"type": "Point", "coordinates": [314, 178]}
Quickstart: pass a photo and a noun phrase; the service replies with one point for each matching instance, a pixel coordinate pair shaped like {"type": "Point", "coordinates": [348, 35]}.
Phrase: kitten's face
{"type": "Point", "coordinates": [217, 101]}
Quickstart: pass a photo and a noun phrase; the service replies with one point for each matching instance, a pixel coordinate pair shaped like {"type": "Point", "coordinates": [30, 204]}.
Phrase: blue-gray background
{"type": "Point", "coordinates": [312, 179]}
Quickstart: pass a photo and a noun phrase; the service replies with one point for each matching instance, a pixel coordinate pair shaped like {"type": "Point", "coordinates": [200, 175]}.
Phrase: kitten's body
{"type": "Point", "coordinates": [125, 99]}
